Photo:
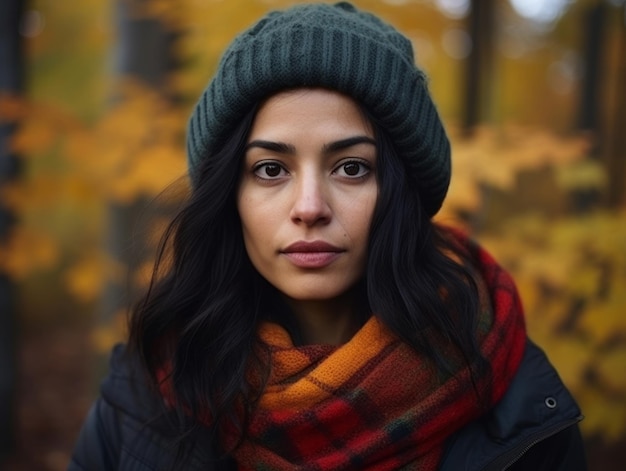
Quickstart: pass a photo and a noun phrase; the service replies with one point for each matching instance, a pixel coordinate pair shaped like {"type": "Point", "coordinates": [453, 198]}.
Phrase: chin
{"type": "Point", "coordinates": [313, 295]}
{"type": "Point", "coordinates": [327, 291]}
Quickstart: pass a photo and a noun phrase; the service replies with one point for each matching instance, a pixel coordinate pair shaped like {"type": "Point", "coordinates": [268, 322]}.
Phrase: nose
{"type": "Point", "coordinates": [310, 205]}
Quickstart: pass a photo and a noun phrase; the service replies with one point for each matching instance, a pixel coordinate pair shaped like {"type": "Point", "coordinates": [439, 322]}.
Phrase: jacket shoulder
{"type": "Point", "coordinates": [127, 428]}
{"type": "Point", "coordinates": [97, 447]}
{"type": "Point", "coordinates": [534, 426]}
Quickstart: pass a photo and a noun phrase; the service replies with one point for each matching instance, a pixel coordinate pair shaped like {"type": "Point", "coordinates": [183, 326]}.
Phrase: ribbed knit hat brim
{"type": "Point", "coordinates": [336, 47]}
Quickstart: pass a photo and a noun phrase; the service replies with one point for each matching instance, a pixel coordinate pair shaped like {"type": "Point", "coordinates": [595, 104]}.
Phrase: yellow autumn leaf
{"type": "Point", "coordinates": [495, 156]}
{"type": "Point", "coordinates": [81, 147]}
{"type": "Point", "coordinates": [603, 416]}
{"type": "Point", "coordinates": [571, 358]}
{"type": "Point", "coordinates": [158, 167]}
{"type": "Point", "coordinates": [604, 321]}
{"type": "Point", "coordinates": [148, 173]}
{"type": "Point", "coordinates": [584, 282]}
{"type": "Point", "coordinates": [585, 175]}
{"type": "Point", "coordinates": [26, 251]}
{"type": "Point", "coordinates": [612, 370]}
{"type": "Point", "coordinates": [36, 192]}
{"type": "Point", "coordinates": [463, 195]}
{"type": "Point", "coordinates": [12, 107]}
{"type": "Point", "coordinates": [86, 279]}
{"type": "Point", "coordinates": [32, 137]}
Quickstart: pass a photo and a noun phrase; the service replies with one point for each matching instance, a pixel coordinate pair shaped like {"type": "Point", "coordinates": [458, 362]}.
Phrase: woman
{"type": "Point", "coordinates": [312, 316]}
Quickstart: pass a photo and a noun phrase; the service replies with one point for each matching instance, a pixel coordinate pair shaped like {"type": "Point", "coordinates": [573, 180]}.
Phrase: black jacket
{"type": "Point", "coordinates": [534, 427]}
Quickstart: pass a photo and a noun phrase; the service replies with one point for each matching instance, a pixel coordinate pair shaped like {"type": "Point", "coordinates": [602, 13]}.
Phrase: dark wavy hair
{"type": "Point", "coordinates": [200, 315]}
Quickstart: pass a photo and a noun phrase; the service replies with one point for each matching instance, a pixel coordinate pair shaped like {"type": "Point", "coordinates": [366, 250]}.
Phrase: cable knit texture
{"type": "Point", "coordinates": [337, 47]}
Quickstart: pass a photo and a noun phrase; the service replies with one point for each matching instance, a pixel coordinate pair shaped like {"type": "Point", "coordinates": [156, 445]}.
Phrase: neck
{"type": "Point", "coordinates": [330, 321]}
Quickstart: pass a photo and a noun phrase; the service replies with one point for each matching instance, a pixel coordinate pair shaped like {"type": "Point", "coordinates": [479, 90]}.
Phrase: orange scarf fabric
{"type": "Point", "coordinates": [373, 403]}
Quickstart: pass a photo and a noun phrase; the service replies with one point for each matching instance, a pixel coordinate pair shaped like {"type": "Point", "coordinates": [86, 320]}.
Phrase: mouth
{"type": "Point", "coordinates": [315, 254]}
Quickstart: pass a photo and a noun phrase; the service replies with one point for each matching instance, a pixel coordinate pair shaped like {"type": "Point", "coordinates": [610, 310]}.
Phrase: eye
{"type": "Point", "coordinates": [269, 170]}
{"type": "Point", "coordinates": [353, 169]}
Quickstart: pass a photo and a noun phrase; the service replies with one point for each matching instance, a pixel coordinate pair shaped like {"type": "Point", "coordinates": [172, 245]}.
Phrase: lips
{"type": "Point", "coordinates": [315, 254]}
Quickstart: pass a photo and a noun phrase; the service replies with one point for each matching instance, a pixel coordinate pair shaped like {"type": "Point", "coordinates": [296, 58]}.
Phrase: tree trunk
{"type": "Point", "coordinates": [603, 81]}
{"type": "Point", "coordinates": [143, 53]}
{"type": "Point", "coordinates": [11, 80]}
{"type": "Point", "coordinates": [594, 45]}
{"type": "Point", "coordinates": [478, 64]}
{"type": "Point", "coordinates": [616, 145]}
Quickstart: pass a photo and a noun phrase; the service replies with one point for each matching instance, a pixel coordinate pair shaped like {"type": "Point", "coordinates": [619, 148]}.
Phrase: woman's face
{"type": "Point", "coordinates": [307, 193]}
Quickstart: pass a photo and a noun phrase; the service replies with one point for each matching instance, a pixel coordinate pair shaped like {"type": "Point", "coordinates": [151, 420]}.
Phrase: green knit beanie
{"type": "Point", "coordinates": [336, 47]}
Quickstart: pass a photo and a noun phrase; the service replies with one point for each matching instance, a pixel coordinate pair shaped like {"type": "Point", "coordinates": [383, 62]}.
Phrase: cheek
{"type": "Point", "coordinates": [358, 217]}
{"type": "Point", "coordinates": [245, 215]}
{"type": "Point", "coordinates": [247, 206]}
{"type": "Point", "coordinates": [256, 224]}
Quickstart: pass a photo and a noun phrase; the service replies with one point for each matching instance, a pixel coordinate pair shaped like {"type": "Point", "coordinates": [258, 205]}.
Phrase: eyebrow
{"type": "Point", "coordinates": [279, 147]}
{"type": "Point", "coordinates": [283, 148]}
{"type": "Point", "coordinates": [348, 142]}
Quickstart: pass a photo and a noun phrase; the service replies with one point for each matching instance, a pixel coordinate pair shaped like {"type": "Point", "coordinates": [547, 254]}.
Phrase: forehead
{"type": "Point", "coordinates": [312, 108]}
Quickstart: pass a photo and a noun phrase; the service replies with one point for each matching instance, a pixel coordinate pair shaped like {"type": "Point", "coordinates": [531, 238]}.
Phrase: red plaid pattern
{"type": "Point", "coordinates": [373, 403]}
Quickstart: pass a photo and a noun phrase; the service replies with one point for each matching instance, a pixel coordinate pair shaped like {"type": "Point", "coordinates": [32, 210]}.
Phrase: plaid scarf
{"type": "Point", "coordinates": [373, 403]}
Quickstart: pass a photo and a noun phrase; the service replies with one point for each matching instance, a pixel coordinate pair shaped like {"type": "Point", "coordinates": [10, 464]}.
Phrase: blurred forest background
{"type": "Point", "coordinates": [94, 99]}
